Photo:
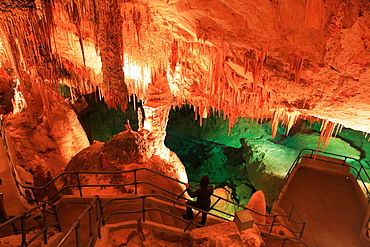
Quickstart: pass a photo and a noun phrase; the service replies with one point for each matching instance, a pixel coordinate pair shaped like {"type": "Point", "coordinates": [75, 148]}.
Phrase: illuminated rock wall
{"type": "Point", "coordinates": [280, 60]}
{"type": "Point", "coordinates": [271, 61]}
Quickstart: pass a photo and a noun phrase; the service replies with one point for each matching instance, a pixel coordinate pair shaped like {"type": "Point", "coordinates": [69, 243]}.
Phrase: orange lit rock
{"type": "Point", "coordinates": [126, 151]}
{"type": "Point", "coordinates": [257, 203]}
{"type": "Point", "coordinates": [245, 58]}
{"type": "Point", "coordinates": [225, 234]}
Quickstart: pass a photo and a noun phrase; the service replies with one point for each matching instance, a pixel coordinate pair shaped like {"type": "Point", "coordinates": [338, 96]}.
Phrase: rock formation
{"type": "Point", "coordinates": [277, 59]}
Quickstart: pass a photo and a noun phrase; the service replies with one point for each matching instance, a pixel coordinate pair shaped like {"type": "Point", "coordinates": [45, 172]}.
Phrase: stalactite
{"type": "Point", "coordinates": [174, 54]}
{"type": "Point", "coordinates": [111, 45]}
{"type": "Point", "coordinates": [296, 67]}
{"type": "Point", "coordinates": [8, 50]}
{"type": "Point", "coordinates": [275, 123]}
{"type": "Point", "coordinates": [76, 20]}
{"type": "Point", "coordinates": [257, 68]}
{"type": "Point", "coordinates": [46, 104]}
{"type": "Point", "coordinates": [339, 128]}
{"type": "Point", "coordinates": [326, 132]}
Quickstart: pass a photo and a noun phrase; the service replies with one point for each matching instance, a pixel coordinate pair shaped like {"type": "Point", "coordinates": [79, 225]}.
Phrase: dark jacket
{"type": "Point", "coordinates": [203, 196]}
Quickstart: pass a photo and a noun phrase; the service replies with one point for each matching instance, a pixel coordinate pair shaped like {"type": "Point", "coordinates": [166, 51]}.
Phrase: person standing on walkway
{"type": "Point", "coordinates": [203, 201]}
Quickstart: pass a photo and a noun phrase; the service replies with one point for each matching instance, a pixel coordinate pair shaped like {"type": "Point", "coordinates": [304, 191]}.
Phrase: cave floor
{"type": "Point", "coordinates": [331, 206]}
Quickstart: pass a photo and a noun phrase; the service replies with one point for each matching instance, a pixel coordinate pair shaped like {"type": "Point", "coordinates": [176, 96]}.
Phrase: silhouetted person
{"type": "Point", "coordinates": [52, 190]}
{"type": "Point", "coordinates": [203, 201]}
{"type": "Point", "coordinates": [39, 180]}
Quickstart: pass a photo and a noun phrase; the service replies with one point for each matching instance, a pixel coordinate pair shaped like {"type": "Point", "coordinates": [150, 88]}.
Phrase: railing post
{"type": "Point", "coordinates": [23, 229]}
{"type": "Point", "coordinates": [214, 204]}
{"type": "Point", "coordinates": [291, 212]}
{"type": "Point", "coordinates": [135, 182]}
{"type": "Point", "coordinates": [300, 235]}
{"type": "Point", "coordinates": [98, 217]}
{"type": "Point", "coordinates": [272, 224]}
{"type": "Point", "coordinates": [78, 238]}
{"type": "Point", "coordinates": [359, 173]}
{"type": "Point", "coordinates": [91, 222]}
{"type": "Point", "coordinates": [78, 182]}
{"type": "Point", "coordinates": [143, 207]}
{"type": "Point", "coordinates": [44, 223]}
{"type": "Point", "coordinates": [34, 195]}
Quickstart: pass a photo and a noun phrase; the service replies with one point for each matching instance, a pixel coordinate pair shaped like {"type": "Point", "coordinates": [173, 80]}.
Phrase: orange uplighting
{"type": "Point", "coordinates": [19, 103]}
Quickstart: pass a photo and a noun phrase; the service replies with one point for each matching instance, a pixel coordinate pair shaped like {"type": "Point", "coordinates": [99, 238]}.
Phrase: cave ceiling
{"type": "Point", "coordinates": [266, 59]}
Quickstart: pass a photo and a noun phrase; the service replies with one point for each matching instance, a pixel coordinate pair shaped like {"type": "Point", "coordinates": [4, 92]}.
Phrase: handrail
{"type": "Point", "coordinates": [293, 210]}
{"type": "Point", "coordinates": [45, 225]}
{"type": "Point", "coordinates": [101, 218]}
{"type": "Point", "coordinates": [94, 227]}
{"type": "Point", "coordinates": [343, 163]}
{"type": "Point", "coordinates": [285, 239]}
{"type": "Point", "coordinates": [135, 183]}
{"type": "Point", "coordinates": [313, 155]}
{"type": "Point", "coordinates": [144, 209]}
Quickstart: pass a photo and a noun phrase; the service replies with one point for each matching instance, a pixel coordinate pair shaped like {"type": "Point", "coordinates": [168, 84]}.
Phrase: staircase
{"type": "Point", "coordinates": [163, 217]}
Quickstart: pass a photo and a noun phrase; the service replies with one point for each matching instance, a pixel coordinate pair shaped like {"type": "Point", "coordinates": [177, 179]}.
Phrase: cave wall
{"type": "Point", "coordinates": [272, 61]}
{"type": "Point", "coordinates": [280, 59]}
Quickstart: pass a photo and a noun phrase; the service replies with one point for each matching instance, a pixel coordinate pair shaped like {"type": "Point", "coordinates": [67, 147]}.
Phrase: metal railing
{"type": "Point", "coordinates": [291, 241]}
{"type": "Point", "coordinates": [143, 209]}
{"type": "Point", "coordinates": [63, 177]}
{"type": "Point", "coordinates": [360, 174]}
{"type": "Point", "coordinates": [135, 183]}
{"type": "Point", "coordinates": [95, 224]}
{"type": "Point", "coordinates": [42, 228]}
{"type": "Point", "coordinates": [343, 162]}
{"type": "Point", "coordinates": [273, 220]}
{"type": "Point", "coordinates": [102, 218]}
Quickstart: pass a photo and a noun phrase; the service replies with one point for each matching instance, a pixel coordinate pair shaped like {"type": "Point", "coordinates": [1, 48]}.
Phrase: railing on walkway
{"type": "Point", "coordinates": [360, 173]}
{"type": "Point", "coordinates": [272, 220]}
{"type": "Point", "coordinates": [135, 183]}
{"type": "Point", "coordinates": [102, 218]}
{"type": "Point", "coordinates": [291, 241]}
{"type": "Point", "coordinates": [293, 215]}
{"type": "Point", "coordinates": [95, 224]}
{"type": "Point", "coordinates": [42, 227]}
{"type": "Point", "coordinates": [143, 209]}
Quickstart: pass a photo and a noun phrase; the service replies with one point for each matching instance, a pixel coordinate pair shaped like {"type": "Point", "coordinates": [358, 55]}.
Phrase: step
{"type": "Point", "coordinates": [154, 216]}
{"type": "Point", "coordinates": [167, 219]}
{"type": "Point", "coordinates": [6, 231]}
{"type": "Point", "coordinates": [179, 213]}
